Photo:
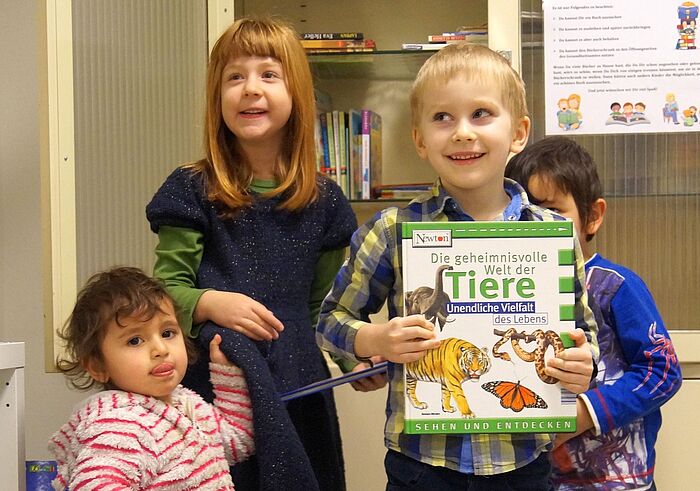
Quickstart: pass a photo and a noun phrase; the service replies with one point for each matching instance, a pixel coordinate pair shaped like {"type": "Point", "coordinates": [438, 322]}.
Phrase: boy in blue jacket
{"type": "Point", "coordinates": [638, 369]}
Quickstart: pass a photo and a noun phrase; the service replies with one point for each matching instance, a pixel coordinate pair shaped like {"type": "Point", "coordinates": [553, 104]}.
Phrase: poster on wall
{"type": "Point", "coordinates": [621, 66]}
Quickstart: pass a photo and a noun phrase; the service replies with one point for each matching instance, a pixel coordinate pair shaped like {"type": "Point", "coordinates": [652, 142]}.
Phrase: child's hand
{"type": "Point", "coordinates": [574, 366]}
{"type": "Point", "coordinates": [401, 340]}
{"type": "Point", "coordinates": [369, 384]}
{"type": "Point", "coordinates": [240, 313]}
{"type": "Point", "coordinates": [215, 353]}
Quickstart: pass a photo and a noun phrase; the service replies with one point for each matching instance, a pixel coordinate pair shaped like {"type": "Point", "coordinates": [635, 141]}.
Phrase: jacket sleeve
{"type": "Point", "coordinates": [233, 411]}
{"type": "Point", "coordinates": [653, 374]}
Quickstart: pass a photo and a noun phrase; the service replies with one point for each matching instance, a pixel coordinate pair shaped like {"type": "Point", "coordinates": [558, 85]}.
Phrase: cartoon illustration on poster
{"type": "Point", "coordinates": [687, 20]}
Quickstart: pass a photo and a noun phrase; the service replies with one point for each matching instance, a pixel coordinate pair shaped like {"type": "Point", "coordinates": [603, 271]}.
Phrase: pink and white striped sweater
{"type": "Point", "coordinates": [122, 440]}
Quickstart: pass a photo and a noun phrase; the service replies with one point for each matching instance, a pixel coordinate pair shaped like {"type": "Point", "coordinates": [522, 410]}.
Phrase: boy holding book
{"type": "Point", "coordinates": [638, 369]}
{"type": "Point", "coordinates": [469, 112]}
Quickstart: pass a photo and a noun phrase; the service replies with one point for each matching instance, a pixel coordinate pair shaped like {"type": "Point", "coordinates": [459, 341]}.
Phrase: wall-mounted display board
{"type": "Point", "coordinates": [621, 66]}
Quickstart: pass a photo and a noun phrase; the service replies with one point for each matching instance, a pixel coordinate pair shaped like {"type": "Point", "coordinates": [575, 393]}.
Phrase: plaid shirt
{"type": "Point", "coordinates": [373, 275]}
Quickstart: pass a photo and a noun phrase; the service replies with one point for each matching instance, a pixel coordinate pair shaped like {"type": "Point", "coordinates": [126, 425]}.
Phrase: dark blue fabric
{"type": "Point", "coordinates": [405, 473]}
{"type": "Point", "coordinates": [269, 255]}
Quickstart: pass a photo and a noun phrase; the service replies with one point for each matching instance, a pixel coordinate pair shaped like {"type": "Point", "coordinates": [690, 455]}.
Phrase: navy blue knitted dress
{"type": "Point", "coordinates": [269, 255]}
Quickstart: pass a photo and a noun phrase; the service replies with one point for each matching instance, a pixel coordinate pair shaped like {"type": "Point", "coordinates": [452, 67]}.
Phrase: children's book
{"type": "Point", "coordinates": [500, 294]}
{"type": "Point", "coordinates": [329, 383]}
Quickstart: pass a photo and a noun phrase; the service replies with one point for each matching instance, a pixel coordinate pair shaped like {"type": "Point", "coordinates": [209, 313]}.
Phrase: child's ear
{"type": "Point", "coordinates": [96, 370]}
{"type": "Point", "coordinates": [419, 143]}
{"type": "Point", "coordinates": [521, 133]}
{"type": "Point", "coordinates": [595, 218]}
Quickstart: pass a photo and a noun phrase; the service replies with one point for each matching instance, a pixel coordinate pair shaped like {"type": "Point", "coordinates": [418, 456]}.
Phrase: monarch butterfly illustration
{"type": "Point", "coordinates": [514, 396]}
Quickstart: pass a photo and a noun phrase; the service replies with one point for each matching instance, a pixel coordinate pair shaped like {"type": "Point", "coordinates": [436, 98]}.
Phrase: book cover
{"type": "Point", "coordinates": [332, 35]}
{"type": "Point", "coordinates": [355, 141]}
{"type": "Point", "coordinates": [375, 150]}
{"type": "Point", "coordinates": [500, 294]}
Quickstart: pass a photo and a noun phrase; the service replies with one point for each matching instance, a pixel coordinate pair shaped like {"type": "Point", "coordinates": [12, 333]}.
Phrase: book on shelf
{"type": "Point", "coordinates": [371, 155]}
{"type": "Point", "coordinates": [318, 51]}
{"type": "Point", "coordinates": [337, 44]}
{"type": "Point", "coordinates": [350, 35]}
{"type": "Point", "coordinates": [501, 296]}
{"type": "Point", "coordinates": [324, 148]}
{"type": "Point", "coordinates": [446, 38]}
{"type": "Point", "coordinates": [423, 46]}
{"type": "Point", "coordinates": [333, 166]}
{"type": "Point", "coordinates": [355, 144]}
{"type": "Point", "coordinates": [401, 191]}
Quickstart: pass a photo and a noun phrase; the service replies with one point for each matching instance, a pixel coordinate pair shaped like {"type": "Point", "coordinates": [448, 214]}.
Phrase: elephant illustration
{"type": "Point", "coordinates": [431, 302]}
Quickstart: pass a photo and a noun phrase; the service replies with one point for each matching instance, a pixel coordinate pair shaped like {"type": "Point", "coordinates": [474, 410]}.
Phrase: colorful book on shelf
{"type": "Point", "coordinates": [342, 153]}
{"type": "Point", "coordinates": [402, 191]}
{"type": "Point", "coordinates": [337, 44]}
{"type": "Point", "coordinates": [323, 124]}
{"type": "Point", "coordinates": [365, 189]}
{"type": "Point", "coordinates": [501, 296]}
{"type": "Point", "coordinates": [333, 166]}
{"type": "Point", "coordinates": [355, 143]}
{"type": "Point", "coordinates": [334, 36]}
{"type": "Point", "coordinates": [423, 46]}
{"type": "Point", "coordinates": [447, 38]}
{"type": "Point", "coordinates": [336, 148]}
{"type": "Point", "coordinates": [375, 150]}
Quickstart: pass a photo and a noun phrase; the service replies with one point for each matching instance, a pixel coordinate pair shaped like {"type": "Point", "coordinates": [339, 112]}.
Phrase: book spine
{"type": "Point", "coordinates": [333, 35]}
{"type": "Point", "coordinates": [442, 38]}
{"type": "Point", "coordinates": [343, 154]}
{"type": "Point", "coordinates": [423, 46]}
{"type": "Point", "coordinates": [336, 147]}
{"type": "Point", "coordinates": [324, 142]}
{"type": "Point", "coordinates": [331, 147]}
{"type": "Point", "coordinates": [365, 156]}
{"type": "Point", "coordinates": [375, 150]}
{"type": "Point", "coordinates": [342, 43]}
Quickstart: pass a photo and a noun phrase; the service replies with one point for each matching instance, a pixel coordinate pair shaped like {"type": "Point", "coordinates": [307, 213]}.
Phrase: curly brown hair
{"type": "Point", "coordinates": [107, 296]}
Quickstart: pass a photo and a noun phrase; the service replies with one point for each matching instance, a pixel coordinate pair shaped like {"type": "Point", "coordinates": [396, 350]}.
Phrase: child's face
{"type": "Point", "coordinates": [466, 132]}
{"type": "Point", "coordinates": [573, 103]}
{"type": "Point", "coordinates": [255, 101]}
{"type": "Point", "coordinates": [143, 356]}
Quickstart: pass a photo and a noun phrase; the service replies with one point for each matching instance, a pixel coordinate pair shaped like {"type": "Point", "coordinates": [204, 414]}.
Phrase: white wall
{"type": "Point", "coordinates": [48, 400]}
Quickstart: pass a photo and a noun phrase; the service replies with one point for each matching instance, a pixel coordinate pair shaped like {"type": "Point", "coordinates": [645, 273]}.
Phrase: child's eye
{"type": "Point", "coordinates": [441, 117]}
{"type": "Point", "coordinates": [234, 76]}
{"type": "Point", "coordinates": [135, 341]}
{"type": "Point", "coordinates": [169, 333]}
{"type": "Point", "coordinates": [270, 74]}
{"type": "Point", "coordinates": [480, 113]}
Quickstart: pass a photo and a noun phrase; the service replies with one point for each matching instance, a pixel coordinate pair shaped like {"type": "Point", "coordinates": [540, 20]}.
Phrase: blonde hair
{"type": "Point", "coordinates": [471, 62]}
{"type": "Point", "coordinates": [227, 174]}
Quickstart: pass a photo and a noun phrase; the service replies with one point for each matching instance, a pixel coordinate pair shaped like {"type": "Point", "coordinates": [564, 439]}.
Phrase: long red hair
{"type": "Point", "coordinates": [227, 174]}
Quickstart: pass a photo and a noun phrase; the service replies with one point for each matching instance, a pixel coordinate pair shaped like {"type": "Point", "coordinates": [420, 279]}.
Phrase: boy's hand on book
{"type": "Point", "coordinates": [401, 340]}
{"type": "Point", "coordinates": [215, 353]}
{"type": "Point", "coordinates": [574, 366]}
{"type": "Point", "coordinates": [240, 313]}
{"type": "Point", "coordinates": [368, 384]}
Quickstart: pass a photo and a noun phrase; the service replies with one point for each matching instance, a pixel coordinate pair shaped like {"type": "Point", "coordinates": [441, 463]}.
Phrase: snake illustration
{"type": "Point", "coordinates": [544, 340]}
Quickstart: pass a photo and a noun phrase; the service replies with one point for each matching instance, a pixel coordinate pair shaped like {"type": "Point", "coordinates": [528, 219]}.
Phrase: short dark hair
{"type": "Point", "coordinates": [567, 164]}
{"type": "Point", "coordinates": [107, 296]}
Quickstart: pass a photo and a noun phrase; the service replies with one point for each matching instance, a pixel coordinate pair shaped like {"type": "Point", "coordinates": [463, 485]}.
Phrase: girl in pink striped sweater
{"type": "Point", "coordinates": [144, 431]}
